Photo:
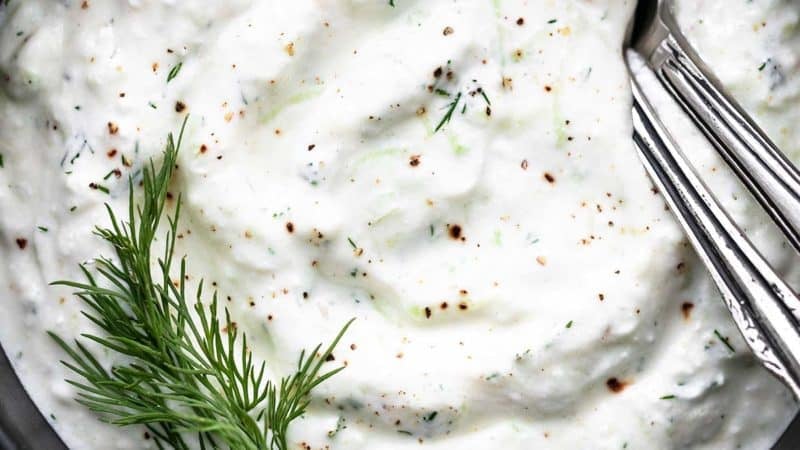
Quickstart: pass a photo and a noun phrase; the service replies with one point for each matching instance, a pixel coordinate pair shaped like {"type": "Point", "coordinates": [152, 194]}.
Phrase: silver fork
{"type": "Point", "coordinates": [765, 308]}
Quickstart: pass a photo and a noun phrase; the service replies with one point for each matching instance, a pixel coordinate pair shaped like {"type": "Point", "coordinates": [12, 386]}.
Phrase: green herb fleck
{"type": "Point", "coordinates": [173, 72]}
{"type": "Point", "coordinates": [569, 324]}
{"type": "Point", "coordinates": [352, 244]}
{"type": "Point", "coordinates": [668, 397]}
{"type": "Point", "coordinates": [725, 341]}
{"type": "Point", "coordinates": [391, 3]}
{"type": "Point", "coordinates": [552, 21]}
{"type": "Point", "coordinates": [43, 229]}
{"type": "Point", "coordinates": [485, 98]}
{"type": "Point", "coordinates": [762, 66]}
{"type": "Point", "coordinates": [449, 114]}
{"type": "Point", "coordinates": [99, 187]}
{"type": "Point", "coordinates": [431, 416]}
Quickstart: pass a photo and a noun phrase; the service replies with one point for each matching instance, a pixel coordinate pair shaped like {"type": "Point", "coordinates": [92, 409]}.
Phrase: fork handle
{"type": "Point", "coordinates": [763, 306]}
{"type": "Point", "coordinates": [771, 178]}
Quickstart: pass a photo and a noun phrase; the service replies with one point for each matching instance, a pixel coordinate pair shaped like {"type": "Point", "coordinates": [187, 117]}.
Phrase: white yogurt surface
{"type": "Point", "coordinates": [513, 272]}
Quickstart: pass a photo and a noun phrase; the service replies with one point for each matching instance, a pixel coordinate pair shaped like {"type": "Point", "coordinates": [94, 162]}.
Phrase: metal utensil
{"type": "Point", "coordinates": [771, 178]}
{"type": "Point", "coordinates": [765, 309]}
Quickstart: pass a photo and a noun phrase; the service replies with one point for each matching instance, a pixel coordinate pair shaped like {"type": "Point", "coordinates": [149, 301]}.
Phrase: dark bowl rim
{"type": "Point", "coordinates": [22, 425]}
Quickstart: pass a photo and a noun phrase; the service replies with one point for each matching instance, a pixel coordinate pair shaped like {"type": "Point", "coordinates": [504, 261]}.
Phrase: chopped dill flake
{"type": "Point", "coordinates": [485, 97]}
{"type": "Point", "coordinates": [552, 21]}
{"type": "Point", "coordinates": [667, 397]}
{"type": "Point", "coordinates": [43, 229]}
{"type": "Point", "coordinates": [724, 341]}
{"type": "Point", "coordinates": [109, 174]}
{"type": "Point", "coordinates": [99, 187]}
{"type": "Point", "coordinates": [173, 72]}
{"type": "Point", "coordinates": [569, 324]}
{"type": "Point", "coordinates": [449, 114]}
{"type": "Point", "coordinates": [353, 244]}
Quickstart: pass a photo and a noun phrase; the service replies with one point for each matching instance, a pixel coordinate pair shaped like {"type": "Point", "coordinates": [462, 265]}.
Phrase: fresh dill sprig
{"type": "Point", "coordinates": [187, 376]}
{"type": "Point", "coordinates": [449, 114]}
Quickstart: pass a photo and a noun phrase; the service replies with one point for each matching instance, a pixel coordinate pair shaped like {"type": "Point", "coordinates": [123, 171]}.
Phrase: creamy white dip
{"type": "Point", "coordinates": [516, 282]}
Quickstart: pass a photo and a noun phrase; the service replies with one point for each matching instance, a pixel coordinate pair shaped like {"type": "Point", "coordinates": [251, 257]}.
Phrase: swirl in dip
{"type": "Point", "coordinates": [517, 283]}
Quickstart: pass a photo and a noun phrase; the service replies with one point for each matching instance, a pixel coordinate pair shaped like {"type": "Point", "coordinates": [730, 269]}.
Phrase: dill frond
{"type": "Point", "coordinates": [190, 376]}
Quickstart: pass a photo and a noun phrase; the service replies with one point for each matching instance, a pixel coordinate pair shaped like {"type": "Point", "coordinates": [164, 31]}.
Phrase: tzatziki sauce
{"type": "Point", "coordinates": [517, 281]}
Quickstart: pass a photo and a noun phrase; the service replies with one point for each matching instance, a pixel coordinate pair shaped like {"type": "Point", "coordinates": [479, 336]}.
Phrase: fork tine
{"type": "Point", "coordinates": [763, 306]}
